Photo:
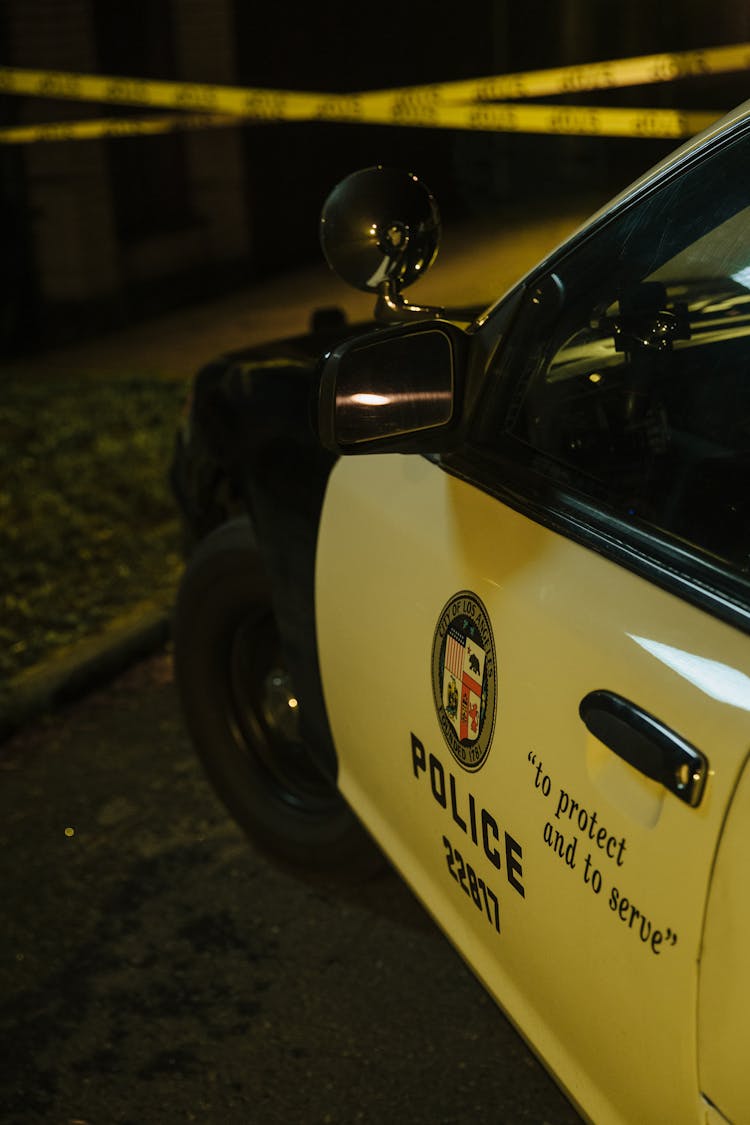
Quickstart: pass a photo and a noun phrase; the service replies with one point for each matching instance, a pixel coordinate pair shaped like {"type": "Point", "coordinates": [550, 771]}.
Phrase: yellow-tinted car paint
{"type": "Point", "coordinates": [602, 889]}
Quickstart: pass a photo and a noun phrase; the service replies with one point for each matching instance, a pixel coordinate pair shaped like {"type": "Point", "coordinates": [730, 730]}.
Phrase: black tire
{"type": "Point", "coordinates": [236, 697]}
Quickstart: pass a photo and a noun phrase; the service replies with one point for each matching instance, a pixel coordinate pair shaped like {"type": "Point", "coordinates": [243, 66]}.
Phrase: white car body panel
{"type": "Point", "coordinates": [610, 1007]}
{"type": "Point", "coordinates": [724, 1024]}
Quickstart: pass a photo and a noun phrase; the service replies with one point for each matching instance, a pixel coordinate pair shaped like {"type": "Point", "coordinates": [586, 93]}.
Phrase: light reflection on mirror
{"type": "Point", "coordinates": [371, 400]}
{"type": "Point", "coordinates": [397, 385]}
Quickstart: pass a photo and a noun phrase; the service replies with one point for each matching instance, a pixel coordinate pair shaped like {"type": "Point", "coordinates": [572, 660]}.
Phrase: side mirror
{"type": "Point", "coordinates": [380, 230]}
{"type": "Point", "coordinates": [396, 390]}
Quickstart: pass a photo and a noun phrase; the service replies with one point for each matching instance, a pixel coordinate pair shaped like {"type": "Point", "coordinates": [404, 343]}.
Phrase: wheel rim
{"type": "Point", "coordinates": [266, 719]}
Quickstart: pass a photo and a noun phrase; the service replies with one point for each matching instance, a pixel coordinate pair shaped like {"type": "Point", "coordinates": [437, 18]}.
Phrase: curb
{"type": "Point", "coordinates": [71, 672]}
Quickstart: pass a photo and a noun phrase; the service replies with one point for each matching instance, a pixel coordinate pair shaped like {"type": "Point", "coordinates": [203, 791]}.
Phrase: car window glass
{"type": "Point", "coordinates": [635, 390]}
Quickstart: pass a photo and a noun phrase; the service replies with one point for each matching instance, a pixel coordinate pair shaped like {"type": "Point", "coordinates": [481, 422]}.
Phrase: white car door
{"type": "Point", "coordinates": [534, 652]}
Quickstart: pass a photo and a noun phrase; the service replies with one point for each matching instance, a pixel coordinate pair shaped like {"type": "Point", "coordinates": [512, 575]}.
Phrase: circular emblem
{"type": "Point", "coordinates": [464, 676]}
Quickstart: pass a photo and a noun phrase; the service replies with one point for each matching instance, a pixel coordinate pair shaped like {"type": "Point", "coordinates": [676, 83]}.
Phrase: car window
{"type": "Point", "coordinates": [629, 380]}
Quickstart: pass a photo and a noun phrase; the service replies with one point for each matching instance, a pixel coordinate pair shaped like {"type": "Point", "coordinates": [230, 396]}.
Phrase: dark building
{"type": "Point", "coordinates": [100, 232]}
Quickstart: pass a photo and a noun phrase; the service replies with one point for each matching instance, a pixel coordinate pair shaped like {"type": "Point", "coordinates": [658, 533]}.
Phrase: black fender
{"type": "Point", "coordinates": [248, 443]}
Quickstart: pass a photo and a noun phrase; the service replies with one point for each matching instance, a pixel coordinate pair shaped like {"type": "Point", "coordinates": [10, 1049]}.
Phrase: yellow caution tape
{"type": "Point", "coordinates": [238, 101]}
{"type": "Point", "coordinates": [512, 117]}
{"type": "Point", "coordinates": [466, 104]}
{"type": "Point", "coordinates": [490, 117]}
{"type": "Point", "coordinates": [112, 127]}
{"type": "Point", "coordinates": [615, 74]}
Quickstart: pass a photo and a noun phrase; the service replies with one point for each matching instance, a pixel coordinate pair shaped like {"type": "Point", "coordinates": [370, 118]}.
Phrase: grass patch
{"type": "Point", "coordinates": [88, 526]}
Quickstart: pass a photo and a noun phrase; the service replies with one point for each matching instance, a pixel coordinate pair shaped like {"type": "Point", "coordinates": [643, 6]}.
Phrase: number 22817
{"type": "Point", "coordinates": [472, 884]}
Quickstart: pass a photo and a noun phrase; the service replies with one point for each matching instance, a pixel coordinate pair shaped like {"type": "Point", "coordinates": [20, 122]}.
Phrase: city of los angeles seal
{"type": "Point", "coordinates": [464, 675]}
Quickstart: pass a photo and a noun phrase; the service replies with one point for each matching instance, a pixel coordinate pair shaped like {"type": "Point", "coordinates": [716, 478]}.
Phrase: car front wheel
{"type": "Point", "coordinates": [243, 715]}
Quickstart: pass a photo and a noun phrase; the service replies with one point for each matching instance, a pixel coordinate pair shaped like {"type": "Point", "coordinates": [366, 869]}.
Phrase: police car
{"type": "Point", "coordinates": [473, 589]}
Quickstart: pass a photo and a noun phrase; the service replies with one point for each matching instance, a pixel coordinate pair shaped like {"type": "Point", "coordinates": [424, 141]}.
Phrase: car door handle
{"type": "Point", "coordinates": [646, 744]}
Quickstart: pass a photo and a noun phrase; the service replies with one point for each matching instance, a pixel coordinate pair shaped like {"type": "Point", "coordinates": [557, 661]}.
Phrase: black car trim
{"type": "Point", "coordinates": [666, 564]}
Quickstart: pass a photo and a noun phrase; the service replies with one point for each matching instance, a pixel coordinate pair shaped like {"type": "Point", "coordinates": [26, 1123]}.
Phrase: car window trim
{"type": "Point", "coordinates": [654, 557]}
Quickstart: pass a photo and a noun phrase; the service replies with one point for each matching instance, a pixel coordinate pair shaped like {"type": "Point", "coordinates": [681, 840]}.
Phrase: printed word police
{"type": "Point", "coordinates": [477, 822]}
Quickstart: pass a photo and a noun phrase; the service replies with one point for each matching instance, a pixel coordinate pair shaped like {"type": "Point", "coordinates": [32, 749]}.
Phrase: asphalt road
{"type": "Point", "coordinates": [155, 969]}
